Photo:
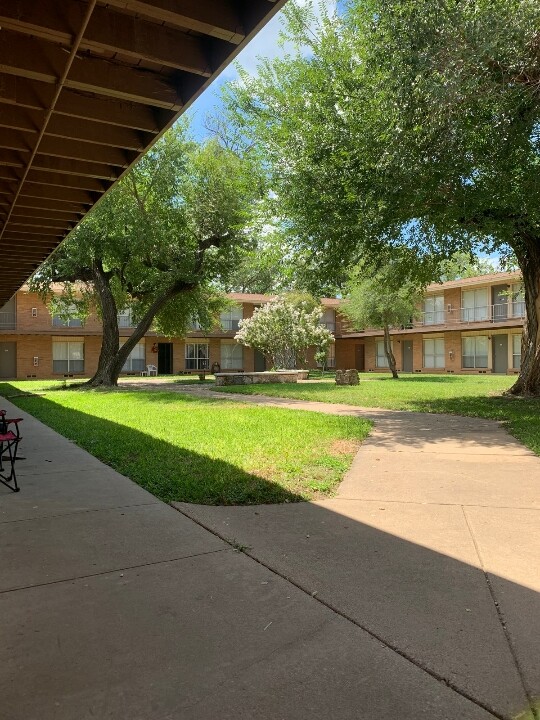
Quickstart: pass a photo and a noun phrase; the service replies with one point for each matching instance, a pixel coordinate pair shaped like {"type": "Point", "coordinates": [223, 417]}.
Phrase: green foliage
{"type": "Point", "coordinates": [381, 299]}
{"type": "Point", "coordinates": [284, 329]}
{"type": "Point", "coordinates": [465, 265]}
{"type": "Point", "coordinates": [179, 218]}
{"type": "Point", "coordinates": [407, 123]}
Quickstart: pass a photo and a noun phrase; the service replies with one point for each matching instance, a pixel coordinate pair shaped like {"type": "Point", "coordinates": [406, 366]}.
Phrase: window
{"type": "Point", "coordinates": [230, 319]}
{"type": "Point", "coordinates": [516, 352]}
{"type": "Point", "coordinates": [434, 310]}
{"type": "Point", "coordinates": [434, 353]}
{"type": "Point", "coordinates": [380, 358]}
{"type": "Point", "coordinates": [197, 356]}
{"type": "Point", "coordinates": [70, 322]}
{"type": "Point", "coordinates": [328, 319]}
{"type": "Point", "coordinates": [474, 305]}
{"type": "Point", "coordinates": [518, 300]}
{"type": "Point", "coordinates": [68, 357]}
{"type": "Point", "coordinates": [125, 319]}
{"type": "Point", "coordinates": [232, 356]}
{"type": "Point", "coordinates": [475, 351]}
{"type": "Point", "coordinates": [136, 360]}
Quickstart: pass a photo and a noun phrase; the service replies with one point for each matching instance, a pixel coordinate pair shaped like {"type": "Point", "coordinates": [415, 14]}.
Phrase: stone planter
{"type": "Point", "coordinates": [257, 378]}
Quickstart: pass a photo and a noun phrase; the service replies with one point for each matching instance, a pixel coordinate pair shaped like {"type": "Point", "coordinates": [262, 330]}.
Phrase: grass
{"type": "Point", "coordinates": [199, 450]}
{"type": "Point", "coordinates": [471, 395]}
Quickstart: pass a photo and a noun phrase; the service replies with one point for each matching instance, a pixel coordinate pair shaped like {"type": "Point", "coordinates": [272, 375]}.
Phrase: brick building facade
{"type": "Point", "coordinates": [464, 326]}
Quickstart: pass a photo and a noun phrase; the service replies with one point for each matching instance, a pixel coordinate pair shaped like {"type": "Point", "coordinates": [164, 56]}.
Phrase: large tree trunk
{"type": "Point", "coordinates": [528, 382]}
{"type": "Point", "coordinates": [389, 353]}
{"type": "Point", "coordinates": [112, 357]}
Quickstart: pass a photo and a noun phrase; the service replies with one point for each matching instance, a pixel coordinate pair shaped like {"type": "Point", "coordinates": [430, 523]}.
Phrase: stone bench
{"type": "Point", "coordinates": [257, 378]}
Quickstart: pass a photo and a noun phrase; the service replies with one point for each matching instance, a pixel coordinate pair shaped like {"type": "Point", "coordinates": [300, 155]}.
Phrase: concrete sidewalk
{"type": "Point", "coordinates": [115, 605]}
{"type": "Point", "coordinates": [432, 545]}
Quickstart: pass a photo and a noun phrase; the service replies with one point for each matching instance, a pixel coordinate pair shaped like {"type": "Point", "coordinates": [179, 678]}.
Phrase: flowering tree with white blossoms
{"type": "Point", "coordinates": [284, 329]}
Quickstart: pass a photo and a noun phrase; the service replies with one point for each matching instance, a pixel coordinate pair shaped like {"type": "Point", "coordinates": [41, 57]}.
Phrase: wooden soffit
{"type": "Point", "coordinates": [86, 87]}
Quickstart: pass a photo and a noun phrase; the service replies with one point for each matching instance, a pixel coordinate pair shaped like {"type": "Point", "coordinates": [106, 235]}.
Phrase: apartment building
{"type": "Point", "coordinates": [34, 344]}
{"type": "Point", "coordinates": [464, 326]}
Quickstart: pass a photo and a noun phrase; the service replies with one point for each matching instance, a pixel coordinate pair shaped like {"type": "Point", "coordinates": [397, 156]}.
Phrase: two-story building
{"type": "Point", "coordinates": [469, 326]}
{"type": "Point", "coordinates": [464, 326]}
{"type": "Point", "coordinates": [35, 344]}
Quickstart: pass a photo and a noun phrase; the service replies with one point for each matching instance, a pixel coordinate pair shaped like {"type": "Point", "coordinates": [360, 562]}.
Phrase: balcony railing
{"type": "Point", "coordinates": [8, 321]}
{"type": "Point", "coordinates": [498, 312]}
{"type": "Point", "coordinates": [57, 321]}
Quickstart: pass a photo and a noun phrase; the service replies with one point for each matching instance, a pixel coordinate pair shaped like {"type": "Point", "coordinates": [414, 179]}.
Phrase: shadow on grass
{"type": "Point", "coordinates": [167, 471]}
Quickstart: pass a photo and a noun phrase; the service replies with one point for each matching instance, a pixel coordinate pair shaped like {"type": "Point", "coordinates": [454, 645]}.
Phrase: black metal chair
{"type": "Point", "coordinates": [9, 441]}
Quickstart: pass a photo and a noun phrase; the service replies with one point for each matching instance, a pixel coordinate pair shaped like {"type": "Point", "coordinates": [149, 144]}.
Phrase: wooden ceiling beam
{"type": "Point", "coordinates": [98, 133]}
{"type": "Point", "coordinates": [113, 32]}
{"type": "Point", "coordinates": [43, 204]}
{"type": "Point", "coordinates": [88, 152]}
{"type": "Point", "coordinates": [39, 60]}
{"type": "Point", "coordinates": [15, 140]}
{"type": "Point", "coordinates": [33, 95]}
{"type": "Point", "coordinates": [35, 229]}
{"type": "Point", "coordinates": [85, 168]}
{"type": "Point", "coordinates": [61, 194]}
{"type": "Point", "coordinates": [49, 214]}
{"type": "Point", "coordinates": [65, 180]}
{"type": "Point", "coordinates": [19, 118]}
{"type": "Point", "coordinates": [219, 20]}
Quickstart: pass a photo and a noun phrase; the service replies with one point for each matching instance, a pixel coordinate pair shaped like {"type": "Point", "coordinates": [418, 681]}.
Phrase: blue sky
{"type": "Point", "coordinates": [265, 44]}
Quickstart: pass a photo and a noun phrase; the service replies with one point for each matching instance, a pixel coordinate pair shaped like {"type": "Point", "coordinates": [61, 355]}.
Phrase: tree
{"type": "Point", "coordinates": [382, 300]}
{"type": "Point", "coordinates": [264, 269]}
{"type": "Point", "coordinates": [408, 123]}
{"type": "Point", "coordinates": [463, 265]}
{"type": "Point", "coordinates": [155, 244]}
{"type": "Point", "coordinates": [284, 329]}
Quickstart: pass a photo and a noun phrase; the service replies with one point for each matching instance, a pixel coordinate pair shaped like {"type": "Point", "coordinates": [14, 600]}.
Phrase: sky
{"type": "Point", "coordinates": [263, 45]}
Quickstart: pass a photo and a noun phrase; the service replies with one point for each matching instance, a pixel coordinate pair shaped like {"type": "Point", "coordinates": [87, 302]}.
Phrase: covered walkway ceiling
{"type": "Point", "coordinates": [86, 86]}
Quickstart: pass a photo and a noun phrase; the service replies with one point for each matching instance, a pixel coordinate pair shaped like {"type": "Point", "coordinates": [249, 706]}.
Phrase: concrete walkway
{"type": "Point", "coordinates": [413, 594]}
{"type": "Point", "coordinates": [432, 545]}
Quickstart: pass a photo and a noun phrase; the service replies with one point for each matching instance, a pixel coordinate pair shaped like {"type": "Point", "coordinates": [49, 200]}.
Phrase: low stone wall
{"type": "Point", "coordinates": [256, 378]}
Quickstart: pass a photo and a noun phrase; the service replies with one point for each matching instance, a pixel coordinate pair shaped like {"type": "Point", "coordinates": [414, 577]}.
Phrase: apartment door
{"type": "Point", "coordinates": [165, 358]}
{"type": "Point", "coordinates": [8, 359]}
{"type": "Point", "coordinates": [260, 361]}
{"type": "Point", "coordinates": [407, 355]}
{"type": "Point", "coordinates": [359, 358]}
{"type": "Point", "coordinates": [499, 344]}
{"type": "Point", "coordinates": [499, 298]}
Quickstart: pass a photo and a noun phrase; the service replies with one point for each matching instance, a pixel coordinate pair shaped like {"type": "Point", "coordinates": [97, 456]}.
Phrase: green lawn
{"type": "Point", "coordinates": [474, 395]}
{"type": "Point", "coordinates": [198, 450]}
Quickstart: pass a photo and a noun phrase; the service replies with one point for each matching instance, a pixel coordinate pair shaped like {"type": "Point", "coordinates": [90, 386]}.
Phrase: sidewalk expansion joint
{"type": "Point", "coordinates": [375, 636]}
{"type": "Point", "coordinates": [532, 705]}
{"type": "Point", "coordinates": [429, 504]}
{"type": "Point", "coordinates": [114, 570]}
{"type": "Point", "coordinates": [79, 512]}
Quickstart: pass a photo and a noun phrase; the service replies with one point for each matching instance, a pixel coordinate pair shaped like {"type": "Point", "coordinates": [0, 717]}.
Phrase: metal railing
{"type": "Point", "coordinates": [8, 321]}
{"type": "Point", "coordinates": [57, 321]}
{"type": "Point", "coordinates": [498, 312]}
